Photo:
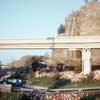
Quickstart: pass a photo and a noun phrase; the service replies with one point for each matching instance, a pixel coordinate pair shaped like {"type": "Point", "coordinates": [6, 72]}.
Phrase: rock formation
{"type": "Point", "coordinates": [84, 22]}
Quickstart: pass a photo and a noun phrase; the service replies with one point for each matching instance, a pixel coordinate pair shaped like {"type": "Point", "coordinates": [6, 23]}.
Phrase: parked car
{"type": "Point", "coordinates": [15, 82]}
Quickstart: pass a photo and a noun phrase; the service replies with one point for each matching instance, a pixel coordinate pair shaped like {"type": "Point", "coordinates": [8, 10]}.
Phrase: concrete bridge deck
{"type": "Point", "coordinates": [85, 43]}
{"type": "Point", "coordinates": [51, 42]}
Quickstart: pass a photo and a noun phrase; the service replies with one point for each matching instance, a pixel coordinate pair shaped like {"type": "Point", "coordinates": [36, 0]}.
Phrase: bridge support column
{"type": "Point", "coordinates": [86, 61]}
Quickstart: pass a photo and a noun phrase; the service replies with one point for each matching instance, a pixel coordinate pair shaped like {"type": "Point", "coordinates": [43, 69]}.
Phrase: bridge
{"type": "Point", "coordinates": [85, 43]}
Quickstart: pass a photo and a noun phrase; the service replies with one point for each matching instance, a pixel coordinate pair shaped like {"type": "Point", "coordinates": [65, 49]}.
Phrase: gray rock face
{"type": "Point", "coordinates": [84, 22]}
{"type": "Point", "coordinates": [89, 20]}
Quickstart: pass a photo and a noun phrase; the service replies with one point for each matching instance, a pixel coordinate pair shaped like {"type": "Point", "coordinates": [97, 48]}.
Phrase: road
{"type": "Point", "coordinates": [84, 89]}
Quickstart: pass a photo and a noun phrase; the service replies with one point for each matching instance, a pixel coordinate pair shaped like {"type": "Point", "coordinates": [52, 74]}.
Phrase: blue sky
{"type": "Point", "coordinates": [32, 18]}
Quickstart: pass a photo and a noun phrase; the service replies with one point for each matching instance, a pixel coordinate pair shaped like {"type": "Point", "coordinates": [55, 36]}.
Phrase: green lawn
{"type": "Point", "coordinates": [66, 84]}
{"type": "Point", "coordinates": [61, 83]}
{"type": "Point", "coordinates": [43, 81]}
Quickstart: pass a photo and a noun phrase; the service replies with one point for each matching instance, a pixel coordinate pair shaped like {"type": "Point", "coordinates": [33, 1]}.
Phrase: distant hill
{"type": "Point", "coordinates": [24, 61]}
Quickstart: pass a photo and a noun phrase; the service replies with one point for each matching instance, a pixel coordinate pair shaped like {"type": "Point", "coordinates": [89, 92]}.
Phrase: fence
{"type": "Point", "coordinates": [39, 95]}
{"type": "Point", "coordinates": [10, 96]}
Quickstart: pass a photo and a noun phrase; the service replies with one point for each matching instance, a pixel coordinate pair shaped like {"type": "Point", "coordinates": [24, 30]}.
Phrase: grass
{"type": "Point", "coordinates": [67, 84]}
{"type": "Point", "coordinates": [53, 82]}
{"type": "Point", "coordinates": [43, 81]}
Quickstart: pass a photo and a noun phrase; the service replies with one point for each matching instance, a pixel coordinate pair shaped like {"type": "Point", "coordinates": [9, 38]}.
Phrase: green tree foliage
{"type": "Point", "coordinates": [90, 1]}
{"type": "Point", "coordinates": [61, 29]}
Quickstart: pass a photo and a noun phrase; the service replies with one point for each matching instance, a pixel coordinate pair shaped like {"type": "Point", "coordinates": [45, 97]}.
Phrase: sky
{"type": "Point", "coordinates": [32, 18]}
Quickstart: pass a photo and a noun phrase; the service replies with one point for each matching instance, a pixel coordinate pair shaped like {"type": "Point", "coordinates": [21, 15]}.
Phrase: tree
{"type": "Point", "coordinates": [86, 1]}
{"type": "Point", "coordinates": [90, 1]}
{"type": "Point", "coordinates": [61, 29]}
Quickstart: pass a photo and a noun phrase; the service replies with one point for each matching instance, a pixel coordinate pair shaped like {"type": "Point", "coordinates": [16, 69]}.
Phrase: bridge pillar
{"type": "Point", "coordinates": [86, 61]}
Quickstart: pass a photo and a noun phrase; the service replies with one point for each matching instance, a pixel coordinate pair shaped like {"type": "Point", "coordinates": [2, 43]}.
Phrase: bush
{"type": "Point", "coordinates": [91, 97]}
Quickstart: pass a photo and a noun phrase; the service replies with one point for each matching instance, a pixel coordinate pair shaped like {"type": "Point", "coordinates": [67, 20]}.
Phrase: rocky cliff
{"type": "Point", "coordinates": [84, 22]}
